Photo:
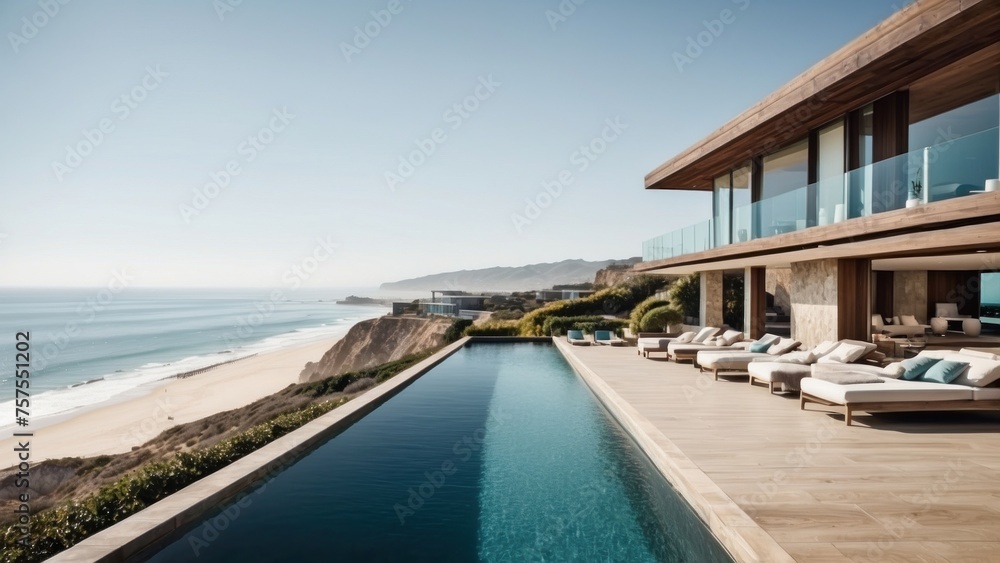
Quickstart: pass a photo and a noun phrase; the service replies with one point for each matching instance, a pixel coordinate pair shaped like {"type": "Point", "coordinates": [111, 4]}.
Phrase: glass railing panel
{"type": "Point", "coordinates": [952, 168]}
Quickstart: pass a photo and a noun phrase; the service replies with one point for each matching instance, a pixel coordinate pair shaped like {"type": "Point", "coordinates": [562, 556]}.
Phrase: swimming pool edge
{"type": "Point", "coordinates": [745, 541]}
{"type": "Point", "coordinates": [144, 530]}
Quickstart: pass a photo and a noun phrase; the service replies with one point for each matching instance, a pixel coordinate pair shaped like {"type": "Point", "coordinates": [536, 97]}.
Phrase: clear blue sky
{"type": "Point", "coordinates": [197, 85]}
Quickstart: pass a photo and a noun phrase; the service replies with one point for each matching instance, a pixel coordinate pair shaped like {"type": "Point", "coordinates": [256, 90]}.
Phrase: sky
{"type": "Point", "coordinates": [230, 143]}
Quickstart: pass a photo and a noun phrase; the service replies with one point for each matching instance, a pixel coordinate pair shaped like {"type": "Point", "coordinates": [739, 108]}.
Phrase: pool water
{"type": "Point", "coordinates": [499, 453]}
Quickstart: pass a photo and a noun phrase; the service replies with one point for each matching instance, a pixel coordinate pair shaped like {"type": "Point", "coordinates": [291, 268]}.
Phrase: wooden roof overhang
{"type": "Point", "coordinates": [918, 40]}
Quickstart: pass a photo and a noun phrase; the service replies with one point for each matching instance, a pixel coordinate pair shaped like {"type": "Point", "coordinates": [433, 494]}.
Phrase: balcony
{"type": "Point", "coordinates": [953, 168]}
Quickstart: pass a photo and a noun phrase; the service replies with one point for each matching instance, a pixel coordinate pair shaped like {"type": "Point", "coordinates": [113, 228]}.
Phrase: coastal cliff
{"type": "Point", "coordinates": [377, 341]}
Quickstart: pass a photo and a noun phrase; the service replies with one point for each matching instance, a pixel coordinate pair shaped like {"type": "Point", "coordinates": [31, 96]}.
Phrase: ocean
{"type": "Point", "coordinates": [88, 346]}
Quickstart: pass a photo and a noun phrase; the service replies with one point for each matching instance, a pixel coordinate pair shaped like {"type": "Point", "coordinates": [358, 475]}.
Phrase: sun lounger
{"type": "Point", "coordinates": [974, 388]}
{"type": "Point", "coordinates": [788, 370]}
{"type": "Point", "coordinates": [727, 343]}
{"type": "Point", "coordinates": [732, 358]}
{"type": "Point", "coordinates": [607, 338]}
{"type": "Point", "coordinates": [576, 338]}
{"type": "Point", "coordinates": [649, 344]}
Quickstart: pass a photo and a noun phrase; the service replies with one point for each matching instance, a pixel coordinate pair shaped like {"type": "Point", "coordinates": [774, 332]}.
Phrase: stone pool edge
{"type": "Point", "coordinates": [743, 538]}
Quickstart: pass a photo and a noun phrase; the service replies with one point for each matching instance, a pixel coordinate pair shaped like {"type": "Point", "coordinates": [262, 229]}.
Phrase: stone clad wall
{"type": "Point", "coordinates": [909, 295]}
{"type": "Point", "coordinates": [814, 301]}
{"type": "Point", "coordinates": [779, 284]}
{"type": "Point", "coordinates": [711, 299]}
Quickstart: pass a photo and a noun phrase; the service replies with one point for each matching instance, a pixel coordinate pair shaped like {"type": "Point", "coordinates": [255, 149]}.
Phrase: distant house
{"type": "Point", "coordinates": [547, 295]}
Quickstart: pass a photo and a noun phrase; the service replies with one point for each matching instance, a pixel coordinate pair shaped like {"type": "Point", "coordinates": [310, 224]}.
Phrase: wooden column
{"type": "Point", "coordinates": [755, 301]}
{"type": "Point", "coordinates": [853, 299]}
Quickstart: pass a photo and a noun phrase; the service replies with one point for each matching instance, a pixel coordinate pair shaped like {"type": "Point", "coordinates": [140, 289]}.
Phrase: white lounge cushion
{"type": "Point", "coordinates": [889, 391]}
{"type": "Point", "coordinates": [824, 348]}
{"type": "Point", "coordinates": [704, 334]}
{"type": "Point", "coordinates": [769, 339]}
{"type": "Point", "coordinates": [979, 354]}
{"type": "Point", "coordinates": [804, 358]}
{"type": "Point", "coordinates": [686, 337]}
{"type": "Point", "coordinates": [731, 360]}
{"type": "Point", "coordinates": [820, 367]}
{"type": "Point", "coordinates": [783, 346]}
{"type": "Point", "coordinates": [986, 393]}
{"type": "Point", "coordinates": [657, 344]}
{"type": "Point", "coordinates": [729, 338]}
{"type": "Point", "coordinates": [908, 320]}
{"type": "Point", "coordinates": [844, 354]}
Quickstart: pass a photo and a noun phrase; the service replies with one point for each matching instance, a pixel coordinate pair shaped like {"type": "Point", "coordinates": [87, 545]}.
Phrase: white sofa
{"type": "Point", "coordinates": [975, 389]}
{"type": "Point", "coordinates": [908, 327]}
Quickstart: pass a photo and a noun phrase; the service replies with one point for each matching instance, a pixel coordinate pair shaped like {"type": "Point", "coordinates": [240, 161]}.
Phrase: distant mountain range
{"type": "Point", "coordinates": [521, 278]}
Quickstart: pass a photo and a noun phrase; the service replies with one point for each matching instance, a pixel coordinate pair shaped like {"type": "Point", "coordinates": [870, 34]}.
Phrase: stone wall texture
{"type": "Point", "coordinates": [711, 299]}
{"type": "Point", "coordinates": [779, 284]}
{"type": "Point", "coordinates": [814, 301]}
{"type": "Point", "coordinates": [909, 295]}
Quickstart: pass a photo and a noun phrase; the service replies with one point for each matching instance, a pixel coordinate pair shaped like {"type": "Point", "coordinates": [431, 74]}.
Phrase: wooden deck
{"type": "Point", "coordinates": [775, 483]}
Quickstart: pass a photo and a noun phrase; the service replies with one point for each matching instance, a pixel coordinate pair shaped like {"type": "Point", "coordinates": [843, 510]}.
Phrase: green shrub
{"type": "Point", "coordinates": [686, 295]}
{"type": "Point", "coordinates": [660, 318]}
{"type": "Point", "coordinates": [642, 308]}
{"type": "Point", "coordinates": [456, 330]}
{"type": "Point", "coordinates": [557, 326]}
{"type": "Point", "coordinates": [506, 328]}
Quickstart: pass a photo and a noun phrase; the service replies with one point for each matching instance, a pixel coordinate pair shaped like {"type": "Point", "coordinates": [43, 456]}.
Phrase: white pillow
{"type": "Point", "coordinates": [981, 371]}
{"type": "Point", "coordinates": [846, 353]}
{"type": "Point", "coordinates": [824, 348]}
{"type": "Point", "coordinates": [893, 371]}
{"type": "Point", "coordinates": [704, 334]}
{"type": "Point", "coordinates": [783, 346]}
{"type": "Point", "coordinates": [909, 320]}
{"type": "Point", "coordinates": [895, 321]}
{"type": "Point", "coordinates": [685, 338]}
{"type": "Point", "coordinates": [768, 339]}
{"type": "Point", "coordinates": [729, 338]}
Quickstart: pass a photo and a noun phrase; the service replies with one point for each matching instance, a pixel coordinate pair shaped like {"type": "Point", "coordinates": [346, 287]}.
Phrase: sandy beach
{"type": "Point", "coordinates": [117, 427]}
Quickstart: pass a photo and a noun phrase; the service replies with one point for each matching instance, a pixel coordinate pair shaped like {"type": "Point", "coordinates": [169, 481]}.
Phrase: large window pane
{"type": "Point", "coordinates": [786, 170]}
{"type": "Point", "coordinates": [721, 195]}
{"type": "Point", "coordinates": [741, 204]}
{"type": "Point", "coordinates": [831, 199]}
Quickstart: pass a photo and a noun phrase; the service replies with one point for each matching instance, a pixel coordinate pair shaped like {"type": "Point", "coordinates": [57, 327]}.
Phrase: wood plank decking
{"type": "Point", "coordinates": [775, 483]}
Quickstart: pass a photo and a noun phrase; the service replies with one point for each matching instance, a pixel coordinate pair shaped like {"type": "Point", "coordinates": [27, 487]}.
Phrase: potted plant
{"type": "Point", "coordinates": [916, 189]}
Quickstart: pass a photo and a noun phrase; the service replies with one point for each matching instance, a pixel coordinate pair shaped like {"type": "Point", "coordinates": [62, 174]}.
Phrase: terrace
{"type": "Point", "coordinates": [778, 484]}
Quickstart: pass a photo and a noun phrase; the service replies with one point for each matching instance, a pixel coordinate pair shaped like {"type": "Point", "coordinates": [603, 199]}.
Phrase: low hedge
{"type": "Point", "coordinates": [557, 326]}
{"type": "Point", "coordinates": [493, 329]}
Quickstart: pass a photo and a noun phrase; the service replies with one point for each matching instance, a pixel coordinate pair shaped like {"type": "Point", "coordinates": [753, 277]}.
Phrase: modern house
{"type": "Point", "coordinates": [866, 185]}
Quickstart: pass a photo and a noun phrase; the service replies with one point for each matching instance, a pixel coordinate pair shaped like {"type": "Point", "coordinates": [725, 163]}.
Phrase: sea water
{"type": "Point", "coordinates": [88, 346]}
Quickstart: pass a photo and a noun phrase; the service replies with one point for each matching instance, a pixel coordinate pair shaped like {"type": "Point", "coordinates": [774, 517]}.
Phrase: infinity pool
{"type": "Point", "coordinates": [499, 453]}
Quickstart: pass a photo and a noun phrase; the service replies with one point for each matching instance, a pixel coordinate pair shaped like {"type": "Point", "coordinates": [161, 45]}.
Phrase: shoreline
{"type": "Point", "coordinates": [116, 426]}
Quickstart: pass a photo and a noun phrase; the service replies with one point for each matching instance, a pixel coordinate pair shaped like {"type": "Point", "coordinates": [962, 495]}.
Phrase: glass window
{"type": "Point", "coordinates": [956, 151]}
{"type": "Point", "coordinates": [720, 204]}
{"type": "Point", "coordinates": [741, 197]}
{"type": "Point", "coordinates": [830, 172]}
{"type": "Point", "coordinates": [786, 170]}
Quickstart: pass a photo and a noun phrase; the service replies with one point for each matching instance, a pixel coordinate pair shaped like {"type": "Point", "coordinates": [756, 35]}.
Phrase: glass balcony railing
{"type": "Point", "coordinates": [950, 169]}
